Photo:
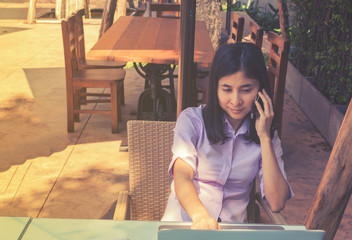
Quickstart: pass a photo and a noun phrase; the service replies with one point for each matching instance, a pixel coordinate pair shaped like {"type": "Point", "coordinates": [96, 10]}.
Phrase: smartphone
{"type": "Point", "coordinates": [258, 99]}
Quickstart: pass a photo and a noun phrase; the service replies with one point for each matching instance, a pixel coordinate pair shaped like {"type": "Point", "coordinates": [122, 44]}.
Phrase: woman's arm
{"type": "Point", "coordinates": [188, 197]}
{"type": "Point", "coordinates": [275, 186]}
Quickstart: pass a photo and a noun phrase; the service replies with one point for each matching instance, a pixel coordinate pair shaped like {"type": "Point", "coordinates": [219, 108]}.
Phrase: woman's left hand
{"type": "Point", "coordinates": [266, 115]}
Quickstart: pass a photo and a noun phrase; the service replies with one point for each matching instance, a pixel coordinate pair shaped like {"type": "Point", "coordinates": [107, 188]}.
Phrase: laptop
{"type": "Point", "coordinates": [240, 231]}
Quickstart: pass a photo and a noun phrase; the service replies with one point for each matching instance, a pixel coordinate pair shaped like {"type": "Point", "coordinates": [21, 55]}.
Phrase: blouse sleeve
{"type": "Point", "coordinates": [186, 135]}
{"type": "Point", "coordinates": [278, 153]}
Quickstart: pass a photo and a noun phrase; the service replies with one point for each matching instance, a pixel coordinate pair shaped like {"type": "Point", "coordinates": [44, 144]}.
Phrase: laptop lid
{"type": "Point", "coordinates": [243, 234]}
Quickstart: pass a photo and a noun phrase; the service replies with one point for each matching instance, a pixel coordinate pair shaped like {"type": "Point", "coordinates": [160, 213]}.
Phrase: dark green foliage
{"type": "Point", "coordinates": [322, 36]}
{"type": "Point", "coordinates": [268, 19]}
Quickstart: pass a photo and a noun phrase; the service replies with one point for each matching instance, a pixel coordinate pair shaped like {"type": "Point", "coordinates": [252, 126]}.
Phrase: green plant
{"type": "Point", "coordinates": [322, 36]}
{"type": "Point", "coordinates": [268, 19]}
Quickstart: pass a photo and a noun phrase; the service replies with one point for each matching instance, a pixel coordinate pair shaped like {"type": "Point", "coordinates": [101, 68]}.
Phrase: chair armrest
{"type": "Point", "coordinates": [122, 206]}
{"type": "Point", "coordinates": [276, 218]}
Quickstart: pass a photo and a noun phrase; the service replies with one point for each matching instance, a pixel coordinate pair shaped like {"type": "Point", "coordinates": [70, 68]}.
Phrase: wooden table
{"type": "Point", "coordinates": [154, 41]}
{"type": "Point", "coordinates": [150, 40]}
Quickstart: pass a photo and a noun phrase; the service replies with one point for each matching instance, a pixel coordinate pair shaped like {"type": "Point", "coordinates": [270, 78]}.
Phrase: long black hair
{"type": "Point", "coordinates": [229, 59]}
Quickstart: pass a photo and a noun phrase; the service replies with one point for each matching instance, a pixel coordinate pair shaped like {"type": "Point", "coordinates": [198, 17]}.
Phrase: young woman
{"type": "Point", "coordinates": [220, 147]}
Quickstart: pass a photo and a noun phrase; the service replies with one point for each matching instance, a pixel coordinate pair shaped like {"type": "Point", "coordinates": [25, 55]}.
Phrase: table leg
{"type": "Point", "coordinates": [155, 99]}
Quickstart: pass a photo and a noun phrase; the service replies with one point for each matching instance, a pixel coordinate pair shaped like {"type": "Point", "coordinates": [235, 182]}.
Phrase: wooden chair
{"type": "Point", "coordinates": [257, 33]}
{"type": "Point", "coordinates": [277, 69]}
{"type": "Point", "coordinates": [78, 79]}
{"type": "Point", "coordinates": [168, 10]}
{"type": "Point", "coordinates": [83, 63]}
{"type": "Point", "coordinates": [81, 51]}
{"type": "Point", "coordinates": [149, 147]}
{"type": "Point", "coordinates": [237, 28]}
{"type": "Point", "coordinates": [278, 58]}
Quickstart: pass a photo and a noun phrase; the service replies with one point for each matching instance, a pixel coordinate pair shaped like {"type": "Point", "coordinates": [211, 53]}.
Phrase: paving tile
{"type": "Point", "coordinates": [15, 181]}
{"type": "Point", "coordinates": [32, 183]}
{"type": "Point", "coordinates": [6, 177]}
{"type": "Point", "coordinates": [87, 188]}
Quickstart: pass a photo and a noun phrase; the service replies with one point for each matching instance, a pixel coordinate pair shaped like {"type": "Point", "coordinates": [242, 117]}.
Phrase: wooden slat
{"type": "Point", "coordinates": [167, 34]}
{"type": "Point", "coordinates": [144, 48]}
{"type": "Point", "coordinates": [237, 27]}
{"type": "Point", "coordinates": [102, 49]}
{"type": "Point", "coordinates": [91, 111]}
{"type": "Point", "coordinates": [275, 39]}
{"type": "Point", "coordinates": [148, 34]}
{"type": "Point", "coordinates": [273, 70]}
{"type": "Point", "coordinates": [96, 101]}
{"type": "Point", "coordinates": [275, 56]}
{"type": "Point", "coordinates": [166, 42]}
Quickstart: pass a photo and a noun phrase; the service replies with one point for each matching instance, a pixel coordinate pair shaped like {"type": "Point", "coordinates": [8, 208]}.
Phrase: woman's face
{"type": "Point", "coordinates": [236, 95]}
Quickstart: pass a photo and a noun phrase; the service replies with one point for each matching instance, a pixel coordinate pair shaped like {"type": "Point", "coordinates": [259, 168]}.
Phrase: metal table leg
{"type": "Point", "coordinates": [155, 103]}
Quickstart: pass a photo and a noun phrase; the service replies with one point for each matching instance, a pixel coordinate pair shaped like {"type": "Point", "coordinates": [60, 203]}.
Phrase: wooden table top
{"type": "Point", "coordinates": [150, 40]}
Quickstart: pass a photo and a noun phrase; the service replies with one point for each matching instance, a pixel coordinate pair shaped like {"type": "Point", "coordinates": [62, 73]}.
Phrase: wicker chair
{"type": "Point", "coordinates": [149, 147]}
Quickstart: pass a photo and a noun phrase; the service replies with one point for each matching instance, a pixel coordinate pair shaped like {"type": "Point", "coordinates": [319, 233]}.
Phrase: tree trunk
{"type": "Point", "coordinates": [121, 8]}
{"type": "Point", "coordinates": [86, 9]}
{"type": "Point", "coordinates": [67, 8]}
{"type": "Point", "coordinates": [31, 11]}
{"type": "Point", "coordinates": [60, 9]}
{"type": "Point", "coordinates": [283, 14]}
{"type": "Point", "coordinates": [335, 187]}
{"type": "Point", "coordinates": [108, 15]}
{"type": "Point", "coordinates": [209, 11]}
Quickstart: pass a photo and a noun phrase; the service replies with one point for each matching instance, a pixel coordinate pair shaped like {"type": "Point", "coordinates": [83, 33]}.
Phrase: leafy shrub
{"type": "Point", "coordinates": [268, 19]}
{"type": "Point", "coordinates": [322, 36]}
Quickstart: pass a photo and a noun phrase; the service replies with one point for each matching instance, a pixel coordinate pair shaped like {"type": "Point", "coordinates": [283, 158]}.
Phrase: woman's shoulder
{"type": "Point", "coordinates": [193, 115]}
{"type": "Point", "coordinates": [193, 112]}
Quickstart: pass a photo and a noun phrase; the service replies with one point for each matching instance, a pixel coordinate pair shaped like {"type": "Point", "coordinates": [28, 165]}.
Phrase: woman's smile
{"type": "Point", "coordinates": [236, 111]}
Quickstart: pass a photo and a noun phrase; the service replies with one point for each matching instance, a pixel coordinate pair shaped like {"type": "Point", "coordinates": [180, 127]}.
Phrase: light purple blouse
{"type": "Point", "coordinates": [223, 173]}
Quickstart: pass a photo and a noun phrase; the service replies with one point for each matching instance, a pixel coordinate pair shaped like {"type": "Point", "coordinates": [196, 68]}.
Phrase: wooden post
{"type": "Point", "coordinates": [59, 9]}
{"type": "Point", "coordinates": [86, 9]}
{"type": "Point", "coordinates": [335, 188]}
{"type": "Point", "coordinates": [108, 15]}
{"type": "Point", "coordinates": [283, 19]}
{"type": "Point", "coordinates": [148, 12]}
{"type": "Point", "coordinates": [121, 8]}
{"type": "Point", "coordinates": [186, 64]}
{"type": "Point", "coordinates": [31, 11]}
{"type": "Point", "coordinates": [79, 4]}
{"type": "Point", "coordinates": [228, 17]}
{"type": "Point", "coordinates": [67, 8]}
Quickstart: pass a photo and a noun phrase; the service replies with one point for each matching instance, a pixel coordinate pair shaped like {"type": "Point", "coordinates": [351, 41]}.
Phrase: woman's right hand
{"type": "Point", "coordinates": [188, 197]}
{"type": "Point", "coordinates": [205, 222]}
